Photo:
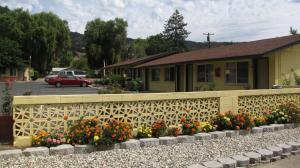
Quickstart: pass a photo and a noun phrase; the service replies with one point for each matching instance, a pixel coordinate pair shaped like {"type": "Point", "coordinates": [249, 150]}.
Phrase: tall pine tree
{"type": "Point", "coordinates": [175, 32]}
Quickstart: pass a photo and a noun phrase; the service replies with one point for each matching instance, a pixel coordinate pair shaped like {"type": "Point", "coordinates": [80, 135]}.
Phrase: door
{"type": "Point", "coordinates": [189, 77]}
{"type": "Point", "coordinates": [146, 79]}
{"type": "Point", "coordinates": [262, 73]}
{"type": "Point", "coordinates": [179, 78]}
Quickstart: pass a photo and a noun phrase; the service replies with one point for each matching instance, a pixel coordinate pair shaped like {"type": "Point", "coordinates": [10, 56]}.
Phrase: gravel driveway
{"type": "Point", "coordinates": [180, 155]}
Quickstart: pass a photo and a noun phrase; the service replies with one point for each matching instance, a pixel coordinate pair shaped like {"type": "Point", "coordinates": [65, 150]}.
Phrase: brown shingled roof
{"type": "Point", "coordinates": [137, 61]}
{"type": "Point", "coordinates": [253, 48]}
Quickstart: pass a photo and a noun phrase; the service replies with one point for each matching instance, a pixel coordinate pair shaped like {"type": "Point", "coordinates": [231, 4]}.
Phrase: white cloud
{"type": "Point", "coordinates": [230, 20]}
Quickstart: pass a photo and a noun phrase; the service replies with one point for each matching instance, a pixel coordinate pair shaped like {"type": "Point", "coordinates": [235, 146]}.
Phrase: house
{"type": "Point", "coordinates": [13, 74]}
{"type": "Point", "coordinates": [250, 65]}
{"type": "Point", "coordinates": [125, 68]}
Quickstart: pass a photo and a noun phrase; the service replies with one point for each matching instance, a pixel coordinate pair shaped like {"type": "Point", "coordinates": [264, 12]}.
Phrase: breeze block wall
{"type": "Point", "coordinates": [32, 113]}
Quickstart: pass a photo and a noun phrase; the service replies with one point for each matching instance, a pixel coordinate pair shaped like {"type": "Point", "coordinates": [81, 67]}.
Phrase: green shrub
{"type": "Point", "coordinates": [286, 113]}
{"type": "Point", "coordinates": [102, 81]}
{"type": "Point", "coordinates": [34, 75]}
{"type": "Point", "coordinates": [117, 80]}
{"type": "Point", "coordinates": [7, 98]}
{"type": "Point", "coordinates": [134, 85]}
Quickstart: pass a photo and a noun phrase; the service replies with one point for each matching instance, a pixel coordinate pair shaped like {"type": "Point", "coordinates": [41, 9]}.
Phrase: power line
{"type": "Point", "coordinates": [208, 38]}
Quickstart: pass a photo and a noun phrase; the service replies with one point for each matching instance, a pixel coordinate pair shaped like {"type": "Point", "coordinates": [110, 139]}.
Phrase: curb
{"type": "Point", "coordinates": [274, 153]}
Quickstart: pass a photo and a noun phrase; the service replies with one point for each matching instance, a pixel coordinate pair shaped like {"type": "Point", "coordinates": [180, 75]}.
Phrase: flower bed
{"type": "Point", "coordinates": [90, 132]}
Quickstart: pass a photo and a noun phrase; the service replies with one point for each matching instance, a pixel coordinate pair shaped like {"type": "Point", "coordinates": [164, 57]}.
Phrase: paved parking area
{"type": "Point", "coordinates": [42, 88]}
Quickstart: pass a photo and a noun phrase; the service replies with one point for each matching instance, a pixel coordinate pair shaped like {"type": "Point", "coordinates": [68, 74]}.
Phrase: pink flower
{"type": "Point", "coordinates": [54, 140]}
{"type": "Point", "coordinates": [49, 140]}
{"type": "Point", "coordinates": [58, 141]}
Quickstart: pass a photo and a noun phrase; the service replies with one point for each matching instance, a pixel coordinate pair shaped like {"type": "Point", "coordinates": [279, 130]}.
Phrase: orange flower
{"type": "Point", "coordinates": [187, 125]}
{"type": "Point", "coordinates": [65, 117]}
{"type": "Point", "coordinates": [222, 114]}
{"type": "Point", "coordinates": [183, 119]}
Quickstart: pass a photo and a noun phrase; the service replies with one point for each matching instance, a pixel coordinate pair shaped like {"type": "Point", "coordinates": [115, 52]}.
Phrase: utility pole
{"type": "Point", "coordinates": [104, 64]}
{"type": "Point", "coordinates": [208, 38]}
{"type": "Point", "coordinates": [30, 68]}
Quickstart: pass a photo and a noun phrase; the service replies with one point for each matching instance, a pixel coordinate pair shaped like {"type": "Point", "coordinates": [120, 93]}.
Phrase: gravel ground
{"type": "Point", "coordinates": [180, 155]}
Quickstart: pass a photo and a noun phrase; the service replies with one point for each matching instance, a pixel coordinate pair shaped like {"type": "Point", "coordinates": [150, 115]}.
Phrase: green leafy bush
{"type": "Point", "coordinates": [134, 85]}
{"type": "Point", "coordinates": [34, 75]}
{"type": "Point", "coordinates": [117, 80]}
{"type": "Point", "coordinates": [7, 98]}
{"type": "Point", "coordinates": [102, 81]}
{"type": "Point", "coordinates": [286, 113]}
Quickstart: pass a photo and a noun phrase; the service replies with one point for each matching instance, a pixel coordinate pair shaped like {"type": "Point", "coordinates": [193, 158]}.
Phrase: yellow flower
{"type": "Point", "coordinates": [96, 138]}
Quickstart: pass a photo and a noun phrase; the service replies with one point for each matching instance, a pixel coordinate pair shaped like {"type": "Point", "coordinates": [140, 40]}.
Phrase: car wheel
{"type": "Point", "coordinates": [58, 84]}
{"type": "Point", "coordinates": [84, 84]}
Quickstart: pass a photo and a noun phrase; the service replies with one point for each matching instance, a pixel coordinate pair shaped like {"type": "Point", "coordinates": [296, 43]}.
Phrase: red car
{"type": "Point", "coordinates": [68, 80]}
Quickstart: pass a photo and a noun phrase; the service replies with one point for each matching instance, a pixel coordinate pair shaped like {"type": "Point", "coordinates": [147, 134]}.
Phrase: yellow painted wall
{"type": "Point", "coordinates": [161, 85]}
{"type": "Point", "coordinates": [281, 64]}
{"type": "Point", "coordinates": [168, 86]}
{"type": "Point", "coordinates": [219, 82]}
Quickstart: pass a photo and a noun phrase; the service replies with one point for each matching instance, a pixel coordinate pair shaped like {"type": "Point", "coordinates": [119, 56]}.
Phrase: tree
{"type": "Point", "coordinates": [64, 60]}
{"type": "Point", "coordinates": [105, 41]}
{"type": "Point", "coordinates": [44, 36]}
{"type": "Point", "coordinates": [136, 49]}
{"type": "Point", "coordinates": [50, 40]}
{"type": "Point", "coordinates": [175, 32]}
{"type": "Point", "coordinates": [293, 31]}
{"type": "Point", "coordinates": [10, 54]}
{"type": "Point", "coordinates": [80, 63]}
{"type": "Point", "coordinates": [157, 44]}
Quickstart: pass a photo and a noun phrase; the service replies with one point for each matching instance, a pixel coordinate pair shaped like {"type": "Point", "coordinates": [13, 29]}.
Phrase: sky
{"type": "Point", "coordinates": [229, 20]}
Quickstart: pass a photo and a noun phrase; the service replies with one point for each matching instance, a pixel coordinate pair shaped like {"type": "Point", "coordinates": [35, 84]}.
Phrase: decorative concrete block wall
{"type": "Point", "coordinates": [32, 113]}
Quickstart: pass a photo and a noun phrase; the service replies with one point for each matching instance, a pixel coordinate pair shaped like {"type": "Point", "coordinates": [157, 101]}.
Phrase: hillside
{"type": "Point", "coordinates": [78, 43]}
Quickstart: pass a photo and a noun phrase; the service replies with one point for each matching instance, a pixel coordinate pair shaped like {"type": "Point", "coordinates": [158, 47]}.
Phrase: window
{"type": "Point", "coordinates": [237, 72]}
{"type": "Point", "coordinates": [79, 73]}
{"type": "Point", "coordinates": [155, 74]}
{"type": "Point", "coordinates": [169, 74]}
{"type": "Point", "coordinates": [69, 73]}
{"type": "Point", "coordinates": [205, 73]}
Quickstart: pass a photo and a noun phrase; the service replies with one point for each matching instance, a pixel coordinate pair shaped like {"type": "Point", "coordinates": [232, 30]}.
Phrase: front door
{"type": "Point", "coordinates": [189, 77]}
{"type": "Point", "coordinates": [262, 73]}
